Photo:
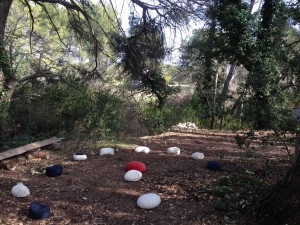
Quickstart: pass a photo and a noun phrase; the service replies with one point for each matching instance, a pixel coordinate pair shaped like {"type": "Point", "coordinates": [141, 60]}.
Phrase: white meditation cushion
{"type": "Point", "coordinates": [20, 190]}
{"type": "Point", "coordinates": [79, 156]}
{"type": "Point", "coordinates": [148, 201]}
{"type": "Point", "coordinates": [198, 155]}
{"type": "Point", "coordinates": [107, 151]}
{"type": "Point", "coordinates": [174, 150]}
{"type": "Point", "coordinates": [142, 149]}
{"type": "Point", "coordinates": [133, 175]}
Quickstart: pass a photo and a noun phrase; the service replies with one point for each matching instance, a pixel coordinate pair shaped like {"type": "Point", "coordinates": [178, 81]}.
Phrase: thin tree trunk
{"type": "Point", "coordinates": [225, 91]}
{"type": "Point", "coordinates": [213, 113]}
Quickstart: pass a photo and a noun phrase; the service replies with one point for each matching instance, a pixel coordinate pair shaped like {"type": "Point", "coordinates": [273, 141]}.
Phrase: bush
{"type": "Point", "coordinates": [158, 120]}
{"type": "Point", "coordinates": [62, 108]}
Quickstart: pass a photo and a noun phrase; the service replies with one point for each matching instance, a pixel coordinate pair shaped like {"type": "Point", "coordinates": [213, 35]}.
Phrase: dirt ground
{"type": "Point", "coordinates": [95, 192]}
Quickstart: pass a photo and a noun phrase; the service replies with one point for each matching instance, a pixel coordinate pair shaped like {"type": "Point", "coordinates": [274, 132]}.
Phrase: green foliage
{"type": "Point", "coordinates": [238, 193]}
{"type": "Point", "coordinates": [141, 55]}
{"type": "Point", "coordinates": [159, 119]}
{"type": "Point", "coordinates": [64, 109]}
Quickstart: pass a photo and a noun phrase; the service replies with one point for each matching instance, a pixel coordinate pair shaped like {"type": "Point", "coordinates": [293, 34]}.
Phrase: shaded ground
{"type": "Point", "coordinates": [94, 191]}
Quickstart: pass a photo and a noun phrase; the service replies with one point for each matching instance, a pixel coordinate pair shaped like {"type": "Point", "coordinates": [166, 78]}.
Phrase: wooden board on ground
{"type": "Point", "coordinates": [29, 147]}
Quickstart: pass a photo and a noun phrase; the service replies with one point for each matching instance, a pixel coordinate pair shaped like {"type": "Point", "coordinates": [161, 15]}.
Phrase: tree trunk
{"type": "Point", "coordinates": [225, 91]}
{"type": "Point", "coordinates": [283, 204]}
{"type": "Point", "coordinates": [9, 82]}
{"type": "Point", "coordinates": [214, 105]}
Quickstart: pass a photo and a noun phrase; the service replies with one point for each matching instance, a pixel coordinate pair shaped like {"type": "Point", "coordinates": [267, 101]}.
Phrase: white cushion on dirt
{"type": "Point", "coordinates": [79, 157]}
{"type": "Point", "coordinates": [198, 155]}
{"type": "Point", "coordinates": [148, 201]}
{"type": "Point", "coordinates": [174, 150]}
{"type": "Point", "coordinates": [133, 175]}
{"type": "Point", "coordinates": [20, 190]}
{"type": "Point", "coordinates": [142, 149]}
{"type": "Point", "coordinates": [107, 151]}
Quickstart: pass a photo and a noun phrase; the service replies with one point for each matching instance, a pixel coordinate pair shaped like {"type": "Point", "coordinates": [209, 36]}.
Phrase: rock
{"type": "Point", "coordinates": [53, 146]}
{"type": "Point", "coordinates": [184, 127]}
{"type": "Point", "coordinates": [198, 155]}
{"type": "Point", "coordinates": [54, 171]}
{"type": "Point", "coordinates": [20, 190]}
{"type": "Point", "coordinates": [38, 154]}
{"type": "Point", "coordinates": [135, 165]}
{"type": "Point", "coordinates": [133, 175]}
{"type": "Point", "coordinates": [174, 150]}
{"type": "Point", "coordinates": [148, 201]}
{"type": "Point", "coordinates": [79, 156]}
{"type": "Point", "coordinates": [9, 164]}
{"type": "Point", "coordinates": [38, 210]}
{"type": "Point", "coordinates": [213, 165]}
{"type": "Point", "coordinates": [142, 149]}
{"type": "Point", "coordinates": [107, 151]}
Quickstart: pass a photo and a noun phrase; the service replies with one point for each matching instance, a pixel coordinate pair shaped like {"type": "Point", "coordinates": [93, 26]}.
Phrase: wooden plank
{"type": "Point", "coordinates": [29, 147]}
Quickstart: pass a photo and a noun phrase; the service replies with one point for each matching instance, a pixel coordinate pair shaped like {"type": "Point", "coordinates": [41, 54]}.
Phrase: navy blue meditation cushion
{"type": "Point", "coordinates": [54, 171]}
{"type": "Point", "coordinates": [38, 211]}
{"type": "Point", "coordinates": [213, 165]}
{"type": "Point", "coordinates": [79, 153]}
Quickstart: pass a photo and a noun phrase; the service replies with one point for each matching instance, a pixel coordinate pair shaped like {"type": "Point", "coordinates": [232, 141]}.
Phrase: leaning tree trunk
{"type": "Point", "coordinates": [283, 204]}
{"type": "Point", "coordinates": [8, 81]}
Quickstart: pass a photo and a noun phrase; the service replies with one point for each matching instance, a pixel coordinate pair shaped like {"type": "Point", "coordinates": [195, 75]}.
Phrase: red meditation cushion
{"type": "Point", "coordinates": [135, 165]}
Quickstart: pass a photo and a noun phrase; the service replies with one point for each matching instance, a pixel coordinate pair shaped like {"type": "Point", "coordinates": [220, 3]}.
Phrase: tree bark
{"type": "Point", "coordinates": [225, 91]}
{"type": "Point", "coordinates": [214, 106]}
{"type": "Point", "coordinates": [5, 67]}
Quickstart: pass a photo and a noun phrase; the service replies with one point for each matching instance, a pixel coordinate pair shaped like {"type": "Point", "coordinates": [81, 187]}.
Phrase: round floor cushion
{"type": "Point", "coordinates": [107, 151]}
{"type": "Point", "coordinates": [54, 171]}
{"type": "Point", "coordinates": [174, 150]}
{"type": "Point", "coordinates": [38, 211]}
{"type": "Point", "coordinates": [148, 201]}
{"type": "Point", "coordinates": [20, 190]}
{"type": "Point", "coordinates": [198, 155]}
{"type": "Point", "coordinates": [79, 156]}
{"type": "Point", "coordinates": [133, 175]}
{"type": "Point", "coordinates": [142, 149]}
{"type": "Point", "coordinates": [213, 165]}
{"type": "Point", "coordinates": [135, 165]}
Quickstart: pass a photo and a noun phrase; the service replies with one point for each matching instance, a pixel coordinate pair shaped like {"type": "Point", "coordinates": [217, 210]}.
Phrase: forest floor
{"type": "Point", "coordinates": [95, 192]}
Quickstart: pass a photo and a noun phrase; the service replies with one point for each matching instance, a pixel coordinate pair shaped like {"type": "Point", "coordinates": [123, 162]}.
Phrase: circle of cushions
{"type": "Point", "coordinates": [20, 190]}
{"type": "Point", "coordinates": [213, 165]}
{"type": "Point", "coordinates": [136, 165]}
{"type": "Point", "coordinates": [38, 211]}
{"type": "Point", "coordinates": [54, 171]}
{"type": "Point", "coordinates": [148, 201]}
{"type": "Point", "coordinates": [79, 156]}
